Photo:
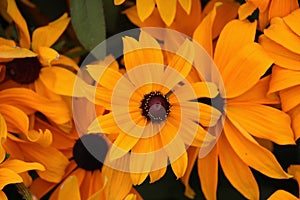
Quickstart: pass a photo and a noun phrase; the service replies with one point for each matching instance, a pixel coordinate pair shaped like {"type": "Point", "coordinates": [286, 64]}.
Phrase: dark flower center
{"type": "Point", "coordinates": [23, 70]}
{"type": "Point", "coordinates": [90, 151]}
{"type": "Point", "coordinates": [155, 106]}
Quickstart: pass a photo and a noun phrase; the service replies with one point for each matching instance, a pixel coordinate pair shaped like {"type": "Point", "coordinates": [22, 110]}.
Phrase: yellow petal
{"type": "Point", "coordinates": [180, 65]}
{"type": "Point", "coordinates": [281, 194]}
{"type": "Point", "coordinates": [118, 2]}
{"type": "Point", "coordinates": [257, 94]}
{"type": "Point", "coordinates": [281, 55]}
{"type": "Point", "coordinates": [179, 166]}
{"type": "Point", "coordinates": [291, 20]}
{"type": "Point", "coordinates": [289, 98]}
{"type": "Point", "coordinates": [3, 135]}
{"type": "Point", "coordinates": [3, 196]}
{"type": "Point", "coordinates": [123, 184]}
{"type": "Point", "coordinates": [229, 42]}
{"type": "Point", "coordinates": [20, 22]}
{"type": "Point", "coordinates": [69, 189]}
{"type": "Point", "coordinates": [208, 173]}
{"type": "Point", "coordinates": [283, 79]}
{"type": "Point", "coordinates": [8, 176]}
{"type": "Point", "coordinates": [47, 35]}
{"type": "Point", "coordinates": [7, 42]}
{"type": "Point", "coordinates": [246, 10]}
{"type": "Point", "coordinates": [203, 33]}
{"type": "Point", "coordinates": [55, 167]}
{"type": "Point", "coordinates": [239, 69]}
{"type": "Point", "coordinates": [47, 55]}
{"type": "Point", "coordinates": [59, 80]}
{"type": "Point", "coordinates": [20, 166]}
{"type": "Point", "coordinates": [263, 122]}
{"type": "Point", "coordinates": [66, 62]}
{"type": "Point", "coordinates": [8, 52]}
{"type": "Point", "coordinates": [157, 174]}
{"type": "Point", "coordinates": [280, 33]}
{"type": "Point", "coordinates": [295, 115]}
{"type": "Point", "coordinates": [186, 5]}
{"type": "Point", "coordinates": [41, 137]}
{"type": "Point", "coordinates": [251, 152]}
{"type": "Point", "coordinates": [29, 102]}
{"type": "Point", "coordinates": [236, 171]}
{"type": "Point", "coordinates": [145, 8]}
{"type": "Point", "coordinates": [282, 8]}
{"type": "Point", "coordinates": [130, 197]}
{"type": "Point", "coordinates": [167, 10]}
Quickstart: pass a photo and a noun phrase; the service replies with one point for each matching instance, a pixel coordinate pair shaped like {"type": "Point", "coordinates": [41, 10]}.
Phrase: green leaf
{"type": "Point", "coordinates": [87, 18]}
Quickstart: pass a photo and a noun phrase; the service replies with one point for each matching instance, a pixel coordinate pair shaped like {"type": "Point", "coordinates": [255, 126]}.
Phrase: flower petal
{"type": "Point", "coordinates": [3, 196]}
{"type": "Point", "coordinates": [208, 173]}
{"type": "Point", "coordinates": [239, 69]}
{"type": "Point", "coordinates": [167, 10]}
{"type": "Point", "coordinates": [7, 52]}
{"type": "Point", "coordinates": [279, 32]}
{"type": "Point", "coordinates": [295, 115]}
{"type": "Point", "coordinates": [289, 98]}
{"type": "Point", "coordinates": [69, 189]}
{"type": "Point", "coordinates": [186, 5]}
{"type": "Point", "coordinates": [20, 22]}
{"type": "Point", "coordinates": [145, 8]}
{"type": "Point", "coordinates": [282, 56]}
{"type": "Point", "coordinates": [229, 42]}
{"type": "Point", "coordinates": [280, 8]}
{"type": "Point", "coordinates": [47, 35]}
{"type": "Point", "coordinates": [246, 10]}
{"type": "Point", "coordinates": [179, 166]}
{"type": "Point", "coordinates": [291, 20]}
{"type": "Point", "coordinates": [263, 122]}
{"type": "Point", "coordinates": [236, 171]}
{"type": "Point", "coordinates": [8, 176]}
{"type": "Point", "coordinates": [3, 135]}
{"type": "Point", "coordinates": [20, 166]}
{"type": "Point", "coordinates": [281, 194]}
{"type": "Point", "coordinates": [251, 152]}
{"type": "Point", "coordinates": [47, 55]}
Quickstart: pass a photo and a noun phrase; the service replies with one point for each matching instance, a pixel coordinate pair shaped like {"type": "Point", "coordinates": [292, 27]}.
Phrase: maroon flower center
{"type": "Point", "coordinates": [155, 106]}
{"type": "Point", "coordinates": [89, 152]}
{"type": "Point", "coordinates": [23, 70]}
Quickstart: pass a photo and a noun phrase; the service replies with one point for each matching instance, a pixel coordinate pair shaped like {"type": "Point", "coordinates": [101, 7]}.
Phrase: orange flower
{"type": "Point", "coordinates": [245, 114]}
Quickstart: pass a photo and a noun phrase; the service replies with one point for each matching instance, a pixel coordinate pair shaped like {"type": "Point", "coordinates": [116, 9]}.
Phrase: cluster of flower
{"type": "Point", "coordinates": [208, 87]}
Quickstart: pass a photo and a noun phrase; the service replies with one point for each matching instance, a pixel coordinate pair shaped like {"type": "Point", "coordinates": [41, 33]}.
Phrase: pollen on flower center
{"type": "Point", "coordinates": [90, 151]}
{"type": "Point", "coordinates": [155, 106]}
{"type": "Point", "coordinates": [23, 70]}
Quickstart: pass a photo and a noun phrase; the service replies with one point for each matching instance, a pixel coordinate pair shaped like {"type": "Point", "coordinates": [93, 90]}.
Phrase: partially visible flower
{"type": "Point", "coordinates": [268, 9]}
{"type": "Point", "coordinates": [166, 9]}
{"type": "Point", "coordinates": [187, 22]}
{"type": "Point", "coordinates": [281, 41]}
{"type": "Point", "coordinates": [245, 113]}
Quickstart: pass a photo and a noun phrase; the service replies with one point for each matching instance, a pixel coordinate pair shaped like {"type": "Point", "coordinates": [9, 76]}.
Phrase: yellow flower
{"type": "Point", "coordinates": [281, 41]}
{"type": "Point", "coordinates": [241, 64]}
{"type": "Point", "coordinates": [187, 22]}
{"type": "Point", "coordinates": [151, 108]}
{"type": "Point", "coordinates": [86, 154]}
{"type": "Point", "coordinates": [268, 9]}
{"type": "Point", "coordinates": [166, 9]}
{"type": "Point", "coordinates": [12, 170]}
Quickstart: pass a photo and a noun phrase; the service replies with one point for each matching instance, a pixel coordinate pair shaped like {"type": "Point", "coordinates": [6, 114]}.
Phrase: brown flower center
{"type": "Point", "coordinates": [23, 70]}
{"type": "Point", "coordinates": [155, 106]}
{"type": "Point", "coordinates": [90, 151]}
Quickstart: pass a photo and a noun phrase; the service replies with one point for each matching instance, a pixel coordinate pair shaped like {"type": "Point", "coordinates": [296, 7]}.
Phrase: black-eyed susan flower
{"type": "Point", "coordinates": [280, 41]}
{"type": "Point", "coordinates": [166, 9]}
{"type": "Point", "coordinates": [268, 9]}
{"type": "Point", "coordinates": [152, 108]}
{"type": "Point", "coordinates": [246, 115]}
{"type": "Point", "coordinates": [86, 154]}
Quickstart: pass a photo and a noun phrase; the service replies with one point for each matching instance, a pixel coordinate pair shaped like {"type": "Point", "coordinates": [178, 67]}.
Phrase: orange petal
{"type": "Point", "coordinates": [246, 10]}
{"type": "Point", "coordinates": [3, 196]}
{"type": "Point", "coordinates": [3, 135]}
{"type": "Point", "coordinates": [280, 33]}
{"type": "Point", "coordinates": [145, 8]}
{"type": "Point", "coordinates": [236, 171]}
{"type": "Point", "coordinates": [7, 176]}
{"type": "Point", "coordinates": [257, 94]}
{"type": "Point", "coordinates": [69, 189]}
{"type": "Point", "coordinates": [46, 55]}
{"type": "Point", "coordinates": [20, 22]}
{"type": "Point", "coordinates": [281, 194]}
{"type": "Point", "coordinates": [239, 69]}
{"type": "Point", "coordinates": [20, 166]}
{"type": "Point", "coordinates": [281, 55]}
{"type": "Point", "coordinates": [47, 35]}
{"type": "Point", "coordinates": [283, 79]}
{"type": "Point", "coordinates": [186, 5]}
{"type": "Point", "coordinates": [263, 122]}
{"type": "Point", "coordinates": [291, 20]}
{"type": "Point", "coordinates": [208, 173]}
{"type": "Point", "coordinates": [295, 115]}
{"type": "Point", "coordinates": [251, 152]}
{"type": "Point", "coordinates": [8, 52]}
{"type": "Point", "coordinates": [229, 42]}
{"type": "Point", "coordinates": [7, 42]}
{"type": "Point", "coordinates": [282, 8]}
{"type": "Point", "coordinates": [167, 10]}
{"type": "Point", "coordinates": [118, 2]}
{"type": "Point", "coordinates": [290, 98]}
